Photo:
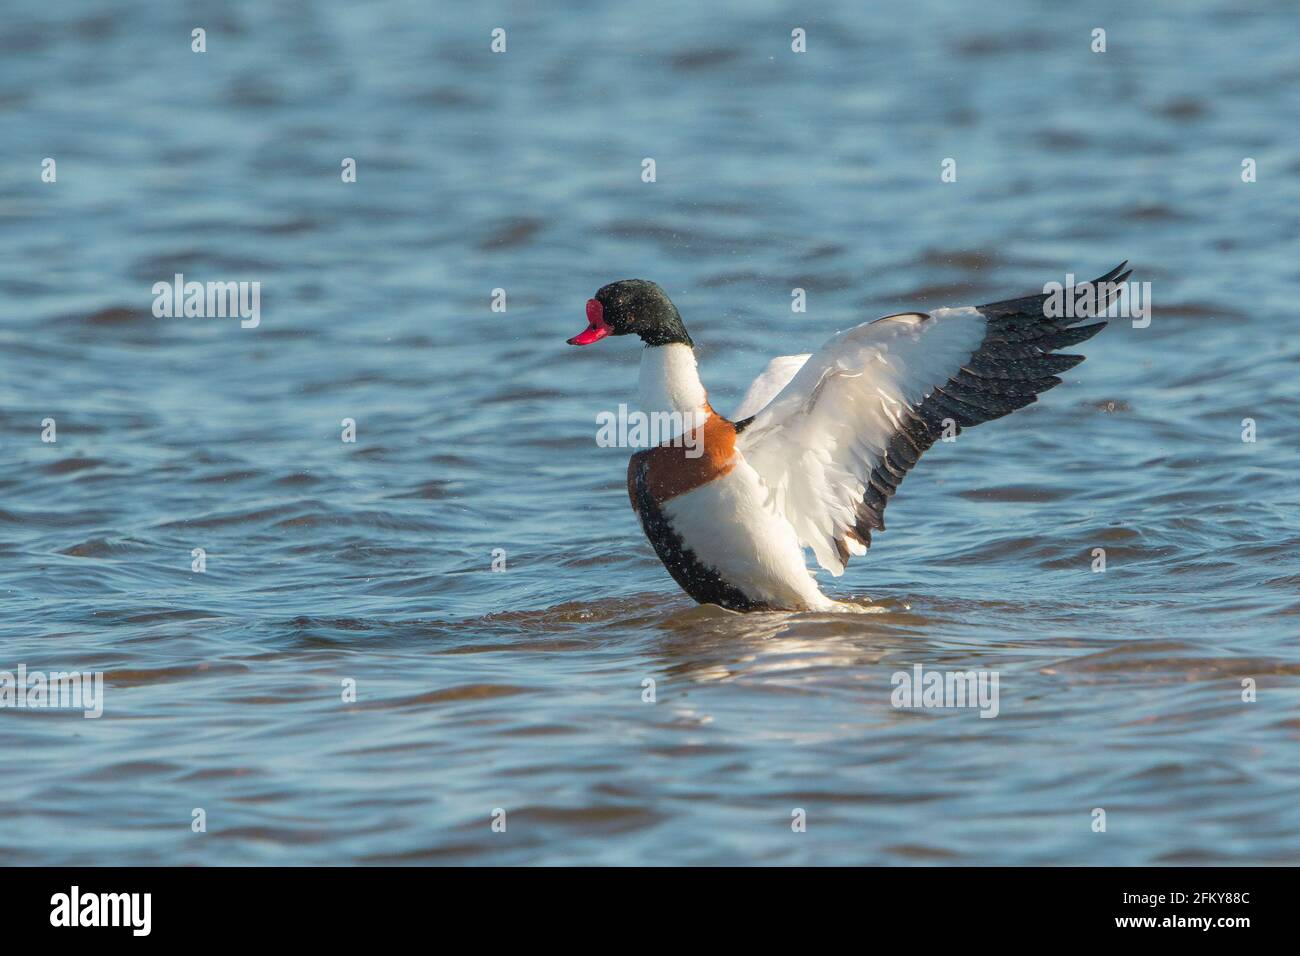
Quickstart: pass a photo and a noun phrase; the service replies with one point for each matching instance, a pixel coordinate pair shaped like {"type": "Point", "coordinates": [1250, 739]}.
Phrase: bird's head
{"type": "Point", "coordinates": [633, 306]}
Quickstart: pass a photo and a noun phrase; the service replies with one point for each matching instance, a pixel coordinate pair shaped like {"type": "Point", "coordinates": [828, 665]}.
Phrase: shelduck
{"type": "Point", "coordinates": [821, 441]}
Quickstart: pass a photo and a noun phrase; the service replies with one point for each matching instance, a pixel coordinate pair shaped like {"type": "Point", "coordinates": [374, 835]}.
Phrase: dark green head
{"type": "Point", "coordinates": [633, 306]}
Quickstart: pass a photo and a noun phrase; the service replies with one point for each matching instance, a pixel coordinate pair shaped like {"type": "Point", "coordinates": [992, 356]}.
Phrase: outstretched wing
{"type": "Point", "coordinates": [836, 442]}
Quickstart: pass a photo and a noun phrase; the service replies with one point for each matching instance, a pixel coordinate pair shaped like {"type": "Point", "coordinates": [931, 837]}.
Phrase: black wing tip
{"type": "Point", "coordinates": [1031, 305]}
{"type": "Point", "coordinates": [1073, 335]}
{"type": "Point", "coordinates": [1114, 274]}
{"type": "Point", "coordinates": [1093, 329]}
{"type": "Point", "coordinates": [1109, 289]}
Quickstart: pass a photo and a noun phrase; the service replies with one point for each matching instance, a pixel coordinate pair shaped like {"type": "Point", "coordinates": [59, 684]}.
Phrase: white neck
{"type": "Point", "coordinates": [670, 380]}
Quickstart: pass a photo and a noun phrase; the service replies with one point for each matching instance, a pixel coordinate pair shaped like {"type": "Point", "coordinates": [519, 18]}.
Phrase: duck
{"type": "Point", "coordinates": [821, 441]}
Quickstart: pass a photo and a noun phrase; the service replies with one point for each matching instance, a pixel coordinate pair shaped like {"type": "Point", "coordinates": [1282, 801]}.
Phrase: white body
{"type": "Point", "coordinates": [731, 525]}
{"type": "Point", "coordinates": [802, 464]}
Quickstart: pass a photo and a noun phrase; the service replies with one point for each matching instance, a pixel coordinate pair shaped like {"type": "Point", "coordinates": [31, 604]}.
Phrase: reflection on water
{"type": "Point", "coordinates": [369, 562]}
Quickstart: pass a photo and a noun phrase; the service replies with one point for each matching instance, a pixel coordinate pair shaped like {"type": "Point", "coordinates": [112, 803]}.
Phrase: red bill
{"type": "Point", "coordinates": [596, 328]}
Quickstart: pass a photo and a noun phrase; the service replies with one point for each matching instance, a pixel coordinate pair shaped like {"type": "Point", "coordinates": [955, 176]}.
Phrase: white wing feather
{"type": "Point", "coordinates": [815, 444]}
{"type": "Point", "coordinates": [769, 383]}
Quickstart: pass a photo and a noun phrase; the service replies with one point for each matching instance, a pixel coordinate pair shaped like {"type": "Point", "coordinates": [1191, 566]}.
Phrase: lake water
{"type": "Point", "coordinates": [371, 562]}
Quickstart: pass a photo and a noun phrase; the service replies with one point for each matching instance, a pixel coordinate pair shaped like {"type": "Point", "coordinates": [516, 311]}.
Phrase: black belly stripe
{"type": "Point", "coordinates": [697, 579]}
